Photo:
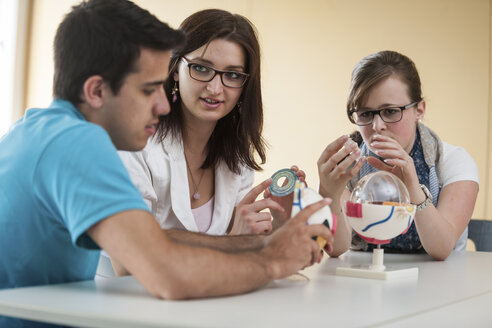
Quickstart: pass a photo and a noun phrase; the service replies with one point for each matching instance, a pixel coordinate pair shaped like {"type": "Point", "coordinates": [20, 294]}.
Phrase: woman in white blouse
{"type": "Point", "coordinates": [196, 173]}
{"type": "Point", "coordinates": [385, 102]}
{"type": "Point", "coordinates": [198, 168]}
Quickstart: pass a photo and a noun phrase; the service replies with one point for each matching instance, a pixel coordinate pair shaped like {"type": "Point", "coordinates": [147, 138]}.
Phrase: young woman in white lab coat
{"type": "Point", "coordinates": [195, 174]}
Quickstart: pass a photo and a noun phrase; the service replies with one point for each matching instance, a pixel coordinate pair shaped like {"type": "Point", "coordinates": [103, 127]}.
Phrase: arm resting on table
{"type": "Point", "coordinates": [172, 270]}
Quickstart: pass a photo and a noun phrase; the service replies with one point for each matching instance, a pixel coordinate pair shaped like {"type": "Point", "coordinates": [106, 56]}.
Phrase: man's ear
{"type": "Point", "coordinates": [93, 91]}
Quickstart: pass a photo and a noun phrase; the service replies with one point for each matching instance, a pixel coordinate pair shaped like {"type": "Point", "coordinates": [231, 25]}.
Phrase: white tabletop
{"type": "Point", "coordinates": [441, 290]}
{"type": "Point", "coordinates": [471, 312]}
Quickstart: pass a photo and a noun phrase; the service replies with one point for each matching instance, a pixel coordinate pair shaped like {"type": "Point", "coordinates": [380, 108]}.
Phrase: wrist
{"type": "Point", "coordinates": [322, 191]}
{"type": "Point", "coordinates": [251, 242]}
{"type": "Point", "coordinates": [419, 198]}
{"type": "Point", "coordinates": [325, 193]}
{"type": "Point", "coordinates": [422, 204]}
{"type": "Point", "coordinates": [272, 269]}
{"type": "Point", "coordinates": [270, 266]}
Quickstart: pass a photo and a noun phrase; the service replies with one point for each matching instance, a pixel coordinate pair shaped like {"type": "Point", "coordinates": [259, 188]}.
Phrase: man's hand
{"type": "Point", "coordinates": [291, 247]}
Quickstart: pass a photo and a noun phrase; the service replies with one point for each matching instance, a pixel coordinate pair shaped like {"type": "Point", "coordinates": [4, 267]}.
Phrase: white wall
{"type": "Point", "coordinates": [309, 50]}
{"type": "Point", "coordinates": [13, 34]}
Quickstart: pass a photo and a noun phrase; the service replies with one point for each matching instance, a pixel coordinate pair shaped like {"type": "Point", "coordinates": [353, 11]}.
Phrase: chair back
{"type": "Point", "coordinates": [480, 232]}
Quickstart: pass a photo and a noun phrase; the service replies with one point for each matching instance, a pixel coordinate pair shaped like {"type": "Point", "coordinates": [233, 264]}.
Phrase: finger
{"type": "Point", "coordinates": [267, 193]}
{"type": "Point", "coordinates": [340, 156]}
{"type": "Point", "coordinates": [302, 176]}
{"type": "Point", "coordinates": [320, 230]}
{"type": "Point", "coordinates": [382, 138]}
{"type": "Point", "coordinates": [349, 148]}
{"type": "Point", "coordinates": [319, 255]}
{"type": "Point", "coordinates": [306, 213]}
{"type": "Point", "coordinates": [358, 165]}
{"type": "Point", "coordinates": [328, 248]}
{"type": "Point", "coordinates": [263, 227]}
{"type": "Point", "coordinates": [266, 203]}
{"type": "Point", "coordinates": [332, 148]}
{"type": "Point", "coordinates": [379, 145]}
{"type": "Point", "coordinates": [251, 196]}
{"type": "Point", "coordinates": [349, 160]}
{"type": "Point", "coordinates": [263, 217]}
{"type": "Point", "coordinates": [396, 162]}
{"type": "Point", "coordinates": [391, 153]}
{"type": "Point", "coordinates": [314, 252]}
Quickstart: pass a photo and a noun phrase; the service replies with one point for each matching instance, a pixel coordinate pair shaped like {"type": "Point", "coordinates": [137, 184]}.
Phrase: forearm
{"type": "Point", "coordinates": [198, 272]}
{"type": "Point", "coordinates": [118, 268]}
{"type": "Point", "coordinates": [203, 272]}
{"type": "Point", "coordinates": [343, 234]}
{"type": "Point", "coordinates": [440, 228]}
{"type": "Point", "coordinates": [172, 270]}
{"type": "Point", "coordinates": [229, 243]}
{"type": "Point", "coordinates": [289, 249]}
{"type": "Point", "coordinates": [437, 235]}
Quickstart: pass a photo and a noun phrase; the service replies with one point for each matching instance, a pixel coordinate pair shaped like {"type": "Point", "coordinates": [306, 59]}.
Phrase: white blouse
{"type": "Point", "coordinates": [159, 172]}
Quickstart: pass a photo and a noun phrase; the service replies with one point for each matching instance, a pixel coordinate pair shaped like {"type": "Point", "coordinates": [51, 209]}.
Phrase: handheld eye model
{"type": "Point", "coordinates": [379, 209]}
{"type": "Point", "coordinates": [303, 196]}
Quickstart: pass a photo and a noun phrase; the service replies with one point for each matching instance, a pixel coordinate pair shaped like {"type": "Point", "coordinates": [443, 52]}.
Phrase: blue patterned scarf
{"type": "Point", "coordinates": [426, 152]}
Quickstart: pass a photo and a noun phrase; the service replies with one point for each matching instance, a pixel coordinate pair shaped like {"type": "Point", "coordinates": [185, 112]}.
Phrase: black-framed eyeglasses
{"type": "Point", "coordinates": [392, 114]}
{"type": "Point", "coordinates": [203, 73]}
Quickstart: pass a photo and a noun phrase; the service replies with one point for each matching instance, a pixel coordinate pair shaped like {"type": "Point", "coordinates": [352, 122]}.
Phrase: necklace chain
{"type": "Point", "coordinates": [196, 194]}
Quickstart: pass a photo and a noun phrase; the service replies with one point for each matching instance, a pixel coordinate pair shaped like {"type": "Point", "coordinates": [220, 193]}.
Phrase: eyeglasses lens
{"type": "Point", "coordinates": [388, 115]}
{"type": "Point", "coordinates": [205, 74]}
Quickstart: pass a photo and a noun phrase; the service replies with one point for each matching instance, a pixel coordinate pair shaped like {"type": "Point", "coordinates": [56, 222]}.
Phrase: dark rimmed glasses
{"type": "Point", "coordinates": [392, 114]}
{"type": "Point", "coordinates": [203, 73]}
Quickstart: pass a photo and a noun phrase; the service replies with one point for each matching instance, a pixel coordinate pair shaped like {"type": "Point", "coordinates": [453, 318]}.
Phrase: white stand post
{"type": "Point", "coordinates": [377, 259]}
{"type": "Point", "coordinates": [377, 270]}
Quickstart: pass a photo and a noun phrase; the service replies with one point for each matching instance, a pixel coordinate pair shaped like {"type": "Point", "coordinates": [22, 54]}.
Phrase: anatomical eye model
{"type": "Point", "coordinates": [379, 210]}
{"type": "Point", "coordinates": [303, 196]}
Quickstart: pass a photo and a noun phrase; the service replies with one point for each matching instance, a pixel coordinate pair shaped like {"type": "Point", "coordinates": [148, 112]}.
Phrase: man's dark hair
{"type": "Point", "coordinates": [104, 37]}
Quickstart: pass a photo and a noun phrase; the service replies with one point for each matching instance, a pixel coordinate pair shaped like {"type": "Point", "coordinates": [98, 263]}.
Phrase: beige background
{"type": "Point", "coordinates": [309, 49]}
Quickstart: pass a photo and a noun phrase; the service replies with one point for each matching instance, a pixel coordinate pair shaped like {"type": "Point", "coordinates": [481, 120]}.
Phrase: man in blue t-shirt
{"type": "Point", "coordinates": [64, 192]}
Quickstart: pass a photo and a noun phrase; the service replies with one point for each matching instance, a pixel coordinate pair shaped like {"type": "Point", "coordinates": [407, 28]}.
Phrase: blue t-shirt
{"type": "Point", "coordinates": [59, 175]}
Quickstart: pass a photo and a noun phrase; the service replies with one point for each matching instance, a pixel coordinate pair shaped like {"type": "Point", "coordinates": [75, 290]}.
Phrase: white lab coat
{"type": "Point", "coordinates": [159, 172]}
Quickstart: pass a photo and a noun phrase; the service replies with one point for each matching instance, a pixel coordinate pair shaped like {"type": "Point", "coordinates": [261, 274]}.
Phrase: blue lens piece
{"type": "Point", "coordinates": [289, 184]}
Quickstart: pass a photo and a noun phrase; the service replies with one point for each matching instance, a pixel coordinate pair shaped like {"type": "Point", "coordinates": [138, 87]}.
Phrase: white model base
{"type": "Point", "coordinates": [365, 271]}
{"type": "Point", "coordinates": [377, 270]}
